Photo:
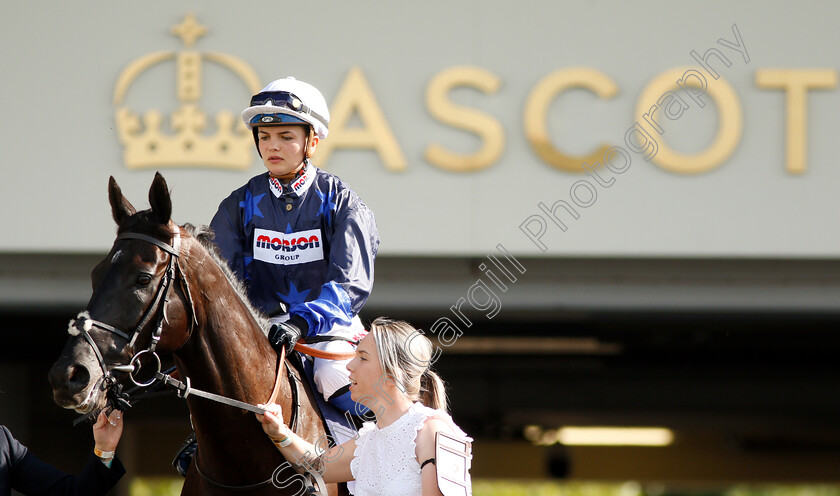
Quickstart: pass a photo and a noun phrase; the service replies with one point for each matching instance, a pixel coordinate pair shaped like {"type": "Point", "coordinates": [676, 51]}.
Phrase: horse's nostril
{"type": "Point", "coordinates": [79, 377]}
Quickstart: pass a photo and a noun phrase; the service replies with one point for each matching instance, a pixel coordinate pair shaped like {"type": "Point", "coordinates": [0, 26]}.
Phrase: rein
{"type": "Point", "coordinates": [314, 352]}
{"type": "Point", "coordinates": [184, 389]}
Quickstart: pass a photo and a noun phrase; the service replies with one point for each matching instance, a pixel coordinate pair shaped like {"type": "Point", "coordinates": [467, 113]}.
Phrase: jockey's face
{"type": "Point", "coordinates": [365, 370]}
{"type": "Point", "coordinates": [283, 147]}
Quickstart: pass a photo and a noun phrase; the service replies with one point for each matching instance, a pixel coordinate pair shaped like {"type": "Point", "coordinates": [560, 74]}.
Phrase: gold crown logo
{"type": "Point", "coordinates": [145, 145]}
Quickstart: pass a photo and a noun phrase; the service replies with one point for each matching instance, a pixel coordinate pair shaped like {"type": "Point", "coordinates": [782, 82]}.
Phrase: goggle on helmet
{"type": "Point", "coordinates": [288, 101]}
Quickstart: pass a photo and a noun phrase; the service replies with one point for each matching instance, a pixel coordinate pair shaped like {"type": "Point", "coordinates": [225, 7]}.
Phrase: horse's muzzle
{"type": "Point", "coordinates": [71, 385]}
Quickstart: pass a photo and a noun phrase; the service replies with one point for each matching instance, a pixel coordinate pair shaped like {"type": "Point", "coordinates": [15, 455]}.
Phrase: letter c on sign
{"type": "Point", "coordinates": [535, 115]}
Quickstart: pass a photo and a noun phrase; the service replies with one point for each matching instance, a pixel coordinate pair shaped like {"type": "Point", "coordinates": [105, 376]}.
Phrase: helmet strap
{"type": "Point", "coordinates": [307, 154]}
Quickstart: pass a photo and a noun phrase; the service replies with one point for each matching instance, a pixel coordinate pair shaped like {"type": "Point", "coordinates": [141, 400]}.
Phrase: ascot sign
{"type": "Point", "coordinates": [666, 97]}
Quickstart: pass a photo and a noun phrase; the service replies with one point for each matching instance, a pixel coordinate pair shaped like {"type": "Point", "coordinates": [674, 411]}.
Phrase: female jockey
{"type": "Point", "coordinates": [300, 238]}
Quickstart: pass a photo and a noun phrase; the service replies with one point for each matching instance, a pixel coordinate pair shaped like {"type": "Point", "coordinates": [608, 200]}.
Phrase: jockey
{"type": "Point", "coordinates": [301, 240]}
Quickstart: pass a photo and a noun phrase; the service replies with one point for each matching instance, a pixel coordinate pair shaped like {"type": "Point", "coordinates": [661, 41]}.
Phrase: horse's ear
{"type": "Point", "coordinates": [159, 199]}
{"type": "Point", "coordinates": [120, 207]}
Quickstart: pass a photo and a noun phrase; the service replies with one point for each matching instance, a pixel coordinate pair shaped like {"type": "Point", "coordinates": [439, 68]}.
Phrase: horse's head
{"type": "Point", "coordinates": [140, 301]}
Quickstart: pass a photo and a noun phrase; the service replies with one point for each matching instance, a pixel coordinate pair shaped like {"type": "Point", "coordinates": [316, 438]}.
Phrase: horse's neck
{"type": "Point", "coordinates": [228, 353]}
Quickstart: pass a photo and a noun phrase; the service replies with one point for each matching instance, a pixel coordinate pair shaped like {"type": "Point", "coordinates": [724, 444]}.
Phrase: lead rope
{"type": "Point", "coordinates": [272, 399]}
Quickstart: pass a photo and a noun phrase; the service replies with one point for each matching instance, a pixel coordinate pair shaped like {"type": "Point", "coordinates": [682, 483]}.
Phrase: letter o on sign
{"type": "Point", "coordinates": [730, 122]}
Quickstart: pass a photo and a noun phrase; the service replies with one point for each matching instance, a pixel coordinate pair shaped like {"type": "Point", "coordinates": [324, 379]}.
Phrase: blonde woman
{"type": "Point", "coordinates": [300, 239]}
{"type": "Point", "coordinates": [396, 454]}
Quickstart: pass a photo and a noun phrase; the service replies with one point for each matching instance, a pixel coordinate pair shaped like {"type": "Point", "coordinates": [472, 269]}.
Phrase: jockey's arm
{"type": "Point", "coordinates": [349, 275]}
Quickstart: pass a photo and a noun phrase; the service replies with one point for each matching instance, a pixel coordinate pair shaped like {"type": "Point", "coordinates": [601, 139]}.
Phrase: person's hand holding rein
{"type": "Point", "coordinates": [106, 433]}
{"type": "Point", "coordinates": [333, 465]}
{"type": "Point", "coordinates": [272, 422]}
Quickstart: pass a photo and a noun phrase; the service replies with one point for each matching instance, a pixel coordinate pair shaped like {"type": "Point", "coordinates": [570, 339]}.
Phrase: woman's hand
{"type": "Point", "coordinates": [272, 421]}
{"type": "Point", "coordinates": [107, 430]}
{"type": "Point", "coordinates": [334, 465]}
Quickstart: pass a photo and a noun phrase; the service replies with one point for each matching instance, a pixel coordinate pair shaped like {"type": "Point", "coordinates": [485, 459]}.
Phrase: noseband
{"type": "Point", "coordinates": [157, 309]}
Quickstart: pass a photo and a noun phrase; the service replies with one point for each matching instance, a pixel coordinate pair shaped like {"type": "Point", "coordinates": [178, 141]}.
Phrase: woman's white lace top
{"type": "Point", "coordinates": [385, 463]}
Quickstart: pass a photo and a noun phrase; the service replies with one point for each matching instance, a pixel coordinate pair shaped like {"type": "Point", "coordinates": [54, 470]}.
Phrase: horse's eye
{"type": "Point", "coordinates": [144, 279]}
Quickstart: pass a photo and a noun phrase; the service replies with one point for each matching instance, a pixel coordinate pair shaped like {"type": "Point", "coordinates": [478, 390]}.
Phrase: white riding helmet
{"type": "Point", "coordinates": [289, 101]}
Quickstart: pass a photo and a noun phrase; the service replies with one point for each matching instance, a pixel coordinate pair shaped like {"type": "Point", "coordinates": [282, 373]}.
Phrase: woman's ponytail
{"type": "Point", "coordinates": [433, 391]}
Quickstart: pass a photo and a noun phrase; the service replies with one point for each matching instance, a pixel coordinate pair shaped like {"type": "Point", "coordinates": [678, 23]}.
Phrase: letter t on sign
{"type": "Point", "coordinates": [796, 82]}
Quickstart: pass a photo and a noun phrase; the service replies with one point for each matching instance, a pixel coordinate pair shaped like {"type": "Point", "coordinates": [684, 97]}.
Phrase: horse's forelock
{"type": "Point", "coordinates": [144, 221]}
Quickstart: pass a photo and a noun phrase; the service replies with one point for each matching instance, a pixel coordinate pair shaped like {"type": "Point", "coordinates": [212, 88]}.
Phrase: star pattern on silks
{"type": "Point", "coordinates": [294, 295]}
{"type": "Point", "coordinates": [327, 205]}
{"type": "Point", "coordinates": [250, 206]}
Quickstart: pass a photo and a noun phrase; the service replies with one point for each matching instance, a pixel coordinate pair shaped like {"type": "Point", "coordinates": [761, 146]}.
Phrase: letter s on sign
{"type": "Point", "coordinates": [488, 129]}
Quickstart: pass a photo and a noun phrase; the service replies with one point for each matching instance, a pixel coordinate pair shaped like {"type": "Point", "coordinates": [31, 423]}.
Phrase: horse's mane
{"type": "Point", "coordinates": [204, 235]}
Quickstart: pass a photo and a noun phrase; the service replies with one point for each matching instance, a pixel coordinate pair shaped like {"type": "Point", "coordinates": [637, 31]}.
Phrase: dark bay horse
{"type": "Point", "coordinates": [161, 278]}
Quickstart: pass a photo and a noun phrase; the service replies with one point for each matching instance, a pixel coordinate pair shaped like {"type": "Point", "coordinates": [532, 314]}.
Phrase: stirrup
{"type": "Point", "coordinates": [185, 454]}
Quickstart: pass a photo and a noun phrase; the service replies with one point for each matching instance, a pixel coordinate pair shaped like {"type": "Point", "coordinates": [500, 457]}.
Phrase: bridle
{"type": "Point", "coordinates": [156, 310]}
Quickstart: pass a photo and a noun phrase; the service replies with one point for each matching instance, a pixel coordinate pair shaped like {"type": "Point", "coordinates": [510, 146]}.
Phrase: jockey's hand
{"type": "Point", "coordinates": [272, 421]}
{"type": "Point", "coordinates": [286, 334]}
